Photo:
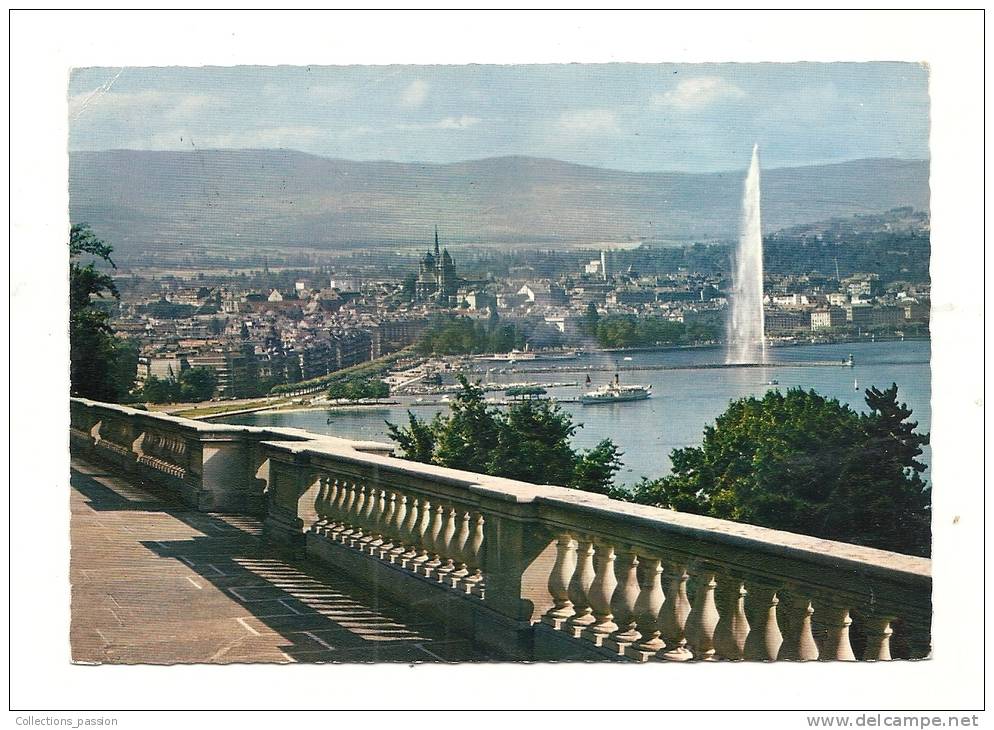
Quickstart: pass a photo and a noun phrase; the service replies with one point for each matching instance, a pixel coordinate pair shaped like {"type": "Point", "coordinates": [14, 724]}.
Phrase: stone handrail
{"type": "Point", "coordinates": [536, 571]}
{"type": "Point", "coordinates": [616, 578]}
{"type": "Point", "coordinates": [210, 466]}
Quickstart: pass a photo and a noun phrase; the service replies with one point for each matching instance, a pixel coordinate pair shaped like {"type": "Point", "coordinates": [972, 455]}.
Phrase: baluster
{"type": "Point", "coordinates": [800, 644]}
{"type": "Point", "coordinates": [623, 602]}
{"type": "Point", "coordinates": [703, 618]}
{"type": "Point", "coordinates": [350, 496]}
{"type": "Point", "coordinates": [676, 609]}
{"type": "Point", "coordinates": [330, 505]}
{"type": "Point", "coordinates": [410, 531]}
{"type": "Point", "coordinates": [474, 583]}
{"type": "Point", "coordinates": [559, 580]}
{"type": "Point", "coordinates": [423, 535]}
{"type": "Point", "coordinates": [579, 588]}
{"type": "Point", "coordinates": [445, 545]}
{"type": "Point", "coordinates": [836, 644]}
{"type": "Point", "coordinates": [432, 539]}
{"type": "Point", "coordinates": [460, 546]}
{"type": "Point", "coordinates": [647, 609]}
{"type": "Point", "coordinates": [338, 509]}
{"type": "Point", "coordinates": [878, 633]}
{"type": "Point", "coordinates": [733, 627]}
{"type": "Point", "coordinates": [379, 514]}
{"type": "Point", "coordinates": [601, 591]}
{"type": "Point", "coordinates": [764, 640]}
{"type": "Point", "coordinates": [370, 517]}
{"type": "Point", "coordinates": [391, 507]}
{"type": "Point", "coordinates": [320, 507]}
{"type": "Point", "coordinates": [356, 532]}
{"type": "Point", "coordinates": [397, 529]}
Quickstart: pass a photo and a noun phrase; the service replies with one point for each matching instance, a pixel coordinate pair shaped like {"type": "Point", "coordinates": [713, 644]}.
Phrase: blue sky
{"type": "Point", "coordinates": [686, 117]}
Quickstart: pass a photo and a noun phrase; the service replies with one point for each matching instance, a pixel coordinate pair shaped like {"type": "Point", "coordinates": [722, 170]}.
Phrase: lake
{"type": "Point", "coordinates": [683, 402]}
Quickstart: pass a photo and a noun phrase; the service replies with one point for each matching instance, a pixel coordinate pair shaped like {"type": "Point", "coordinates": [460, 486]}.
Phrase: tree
{"type": "Point", "coordinates": [530, 442]}
{"type": "Point", "coordinates": [803, 463]}
{"type": "Point", "coordinates": [197, 384]}
{"type": "Point", "coordinates": [101, 366]}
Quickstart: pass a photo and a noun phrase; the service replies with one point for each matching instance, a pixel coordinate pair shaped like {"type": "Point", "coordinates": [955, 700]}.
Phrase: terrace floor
{"type": "Point", "coordinates": [154, 582]}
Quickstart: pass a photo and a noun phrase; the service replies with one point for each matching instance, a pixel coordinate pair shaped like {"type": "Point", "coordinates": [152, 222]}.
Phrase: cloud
{"type": "Point", "coordinates": [286, 137]}
{"type": "Point", "coordinates": [698, 92]}
{"type": "Point", "coordinates": [589, 122]}
{"type": "Point", "coordinates": [463, 122]}
{"type": "Point", "coordinates": [161, 104]}
{"type": "Point", "coordinates": [415, 94]}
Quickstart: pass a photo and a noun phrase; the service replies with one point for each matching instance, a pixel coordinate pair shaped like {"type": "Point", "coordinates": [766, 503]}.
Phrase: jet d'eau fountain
{"type": "Point", "coordinates": [745, 325]}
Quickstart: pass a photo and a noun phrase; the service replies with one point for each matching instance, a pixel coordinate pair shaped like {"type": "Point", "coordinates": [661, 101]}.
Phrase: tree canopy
{"type": "Point", "coordinates": [101, 366]}
{"type": "Point", "coordinates": [800, 462]}
{"type": "Point", "coordinates": [530, 442]}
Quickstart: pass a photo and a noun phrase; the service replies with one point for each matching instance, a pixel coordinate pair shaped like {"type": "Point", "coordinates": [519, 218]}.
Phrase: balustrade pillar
{"type": "Point", "coordinates": [347, 503]}
{"type": "Point", "coordinates": [422, 537]}
{"type": "Point", "coordinates": [411, 536]}
{"type": "Point", "coordinates": [878, 633]}
{"type": "Point", "coordinates": [623, 602]}
{"type": "Point", "coordinates": [703, 618]}
{"type": "Point", "coordinates": [396, 528]}
{"type": "Point", "coordinates": [676, 609]}
{"type": "Point", "coordinates": [800, 644]}
{"type": "Point", "coordinates": [647, 609]}
{"type": "Point", "coordinates": [579, 588]}
{"type": "Point", "coordinates": [370, 518]}
{"type": "Point", "coordinates": [321, 506]}
{"type": "Point", "coordinates": [474, 582]}
{"type": "Point", "coordinates": [837, 621]}
{"type": "Point", "coordinates": [733, 627]}
{"type": "Point", "coordinates": [460, 546]}
{"type": "Point", "coordinates": [432, 539]}
{"type": "Point", "coordinates": [559, 580]}
{"type": "Point", "coordinates": [765, 639]}
{"type": "Point", "coordinates": [390, 498]}
{"type": "Point", "coordinates": [601, 592]}
{"type": "Point", "coordinates": [352, 535]}
{"type": "Point", "coordinates": [445, 545]}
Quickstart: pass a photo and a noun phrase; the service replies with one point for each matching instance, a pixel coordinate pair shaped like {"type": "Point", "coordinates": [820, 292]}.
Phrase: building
{"type": "Point", "coordinates": [888, 316]}
{"type": "Point", "coordinates": [437, 279]}
{"type": "Point", "coordinates": [230, 368]}
{"type": "Point", "coordinates": [827, 318]}
{"type": "Point", "coordinates": [859, 315]}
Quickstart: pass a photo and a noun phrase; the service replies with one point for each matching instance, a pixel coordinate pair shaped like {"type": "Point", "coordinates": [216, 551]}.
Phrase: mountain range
{"type": "Point", "coordinates": [137, 200]}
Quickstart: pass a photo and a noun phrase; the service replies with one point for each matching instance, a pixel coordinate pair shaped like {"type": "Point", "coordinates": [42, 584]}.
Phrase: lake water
{"type": "Point", "coordinates": [683, 402]}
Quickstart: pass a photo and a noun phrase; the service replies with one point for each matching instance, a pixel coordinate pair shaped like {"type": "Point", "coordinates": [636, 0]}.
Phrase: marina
{"type": "Point", "coordinates": [689, 390]}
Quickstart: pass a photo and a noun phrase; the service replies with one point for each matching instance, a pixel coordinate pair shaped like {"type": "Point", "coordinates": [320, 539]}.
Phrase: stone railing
{"type": "Point", "coordinates": [209, 466]}
{"type": "Point", "coordinates": [533, 571]}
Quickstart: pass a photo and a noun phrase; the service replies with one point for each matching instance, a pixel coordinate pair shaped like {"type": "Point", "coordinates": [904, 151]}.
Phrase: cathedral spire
{"type": "Point", "coordinates": [436, 241]}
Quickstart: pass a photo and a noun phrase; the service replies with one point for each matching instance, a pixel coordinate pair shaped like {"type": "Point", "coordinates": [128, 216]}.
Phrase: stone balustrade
{"type": "Point", "coordinates": [538, 571]}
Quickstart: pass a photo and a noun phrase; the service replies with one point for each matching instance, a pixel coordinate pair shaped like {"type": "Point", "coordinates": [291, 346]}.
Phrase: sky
{"type": "Point", "coordinates": [637, 117]}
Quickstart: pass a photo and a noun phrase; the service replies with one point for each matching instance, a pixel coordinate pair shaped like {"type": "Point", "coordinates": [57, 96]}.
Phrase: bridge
{"type": "Point", "coordinates": [206, 542]}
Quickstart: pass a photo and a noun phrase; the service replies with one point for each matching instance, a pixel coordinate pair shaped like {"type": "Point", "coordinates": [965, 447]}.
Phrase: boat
{"type": "Point", "coordinates": [615, 392]}
{"type": "Point", "coordinates": [627, 358]}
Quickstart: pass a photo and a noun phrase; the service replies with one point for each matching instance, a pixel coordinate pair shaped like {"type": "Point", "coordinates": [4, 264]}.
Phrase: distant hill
{"type": "Point", "coordinates": [141, 199]}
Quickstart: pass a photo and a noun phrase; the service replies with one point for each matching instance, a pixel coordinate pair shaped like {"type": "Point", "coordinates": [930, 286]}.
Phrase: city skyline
{"type": "Point", "coordinates": [637, 117]}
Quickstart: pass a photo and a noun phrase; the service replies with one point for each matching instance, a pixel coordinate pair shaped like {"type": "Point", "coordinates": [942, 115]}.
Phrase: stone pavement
{"type": "Point", "coordinates": [156, 583]}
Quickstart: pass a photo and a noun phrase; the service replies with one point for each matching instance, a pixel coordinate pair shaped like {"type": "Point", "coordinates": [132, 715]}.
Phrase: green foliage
{"type": "Point", "coordinates": [101, 366]}
{"type": "Point", "coordinates": [358, 388]}
{"type": "Point", "coordinates": [627, 330]}
{"type": "Point", "coordinates": [192, 386]}
{"type": "Point", "coordinates": [529, 442]}
{"type": "Point", "coordinates": [464, 336]}
{"type": "Point", "coordinates": [807, 464]}
{"type": "Point", "coordinates": [372, 369]}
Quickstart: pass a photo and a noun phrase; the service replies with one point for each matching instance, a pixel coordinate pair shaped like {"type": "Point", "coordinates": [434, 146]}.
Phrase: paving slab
{"type": "Point", "coordinates": [154, 582]}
